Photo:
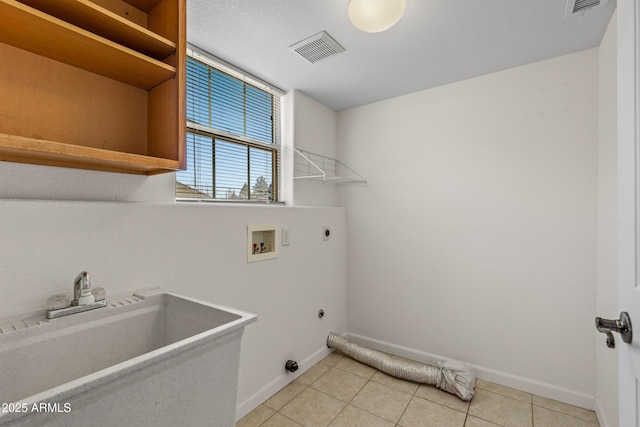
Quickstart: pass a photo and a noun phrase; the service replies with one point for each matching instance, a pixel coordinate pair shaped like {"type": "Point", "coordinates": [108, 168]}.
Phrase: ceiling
{"type": "Point", "coordinates": [436, 42]}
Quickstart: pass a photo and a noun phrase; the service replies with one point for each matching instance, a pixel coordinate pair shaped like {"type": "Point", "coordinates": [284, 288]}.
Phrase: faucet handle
{"type": "Point", "coordinates": [57, 302]}
{"type": "Point", "coordinates": [99, 293]}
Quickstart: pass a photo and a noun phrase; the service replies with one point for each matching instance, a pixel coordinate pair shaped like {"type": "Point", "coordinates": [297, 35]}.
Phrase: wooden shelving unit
{"type": "Point", "coordinates": [93, 84]}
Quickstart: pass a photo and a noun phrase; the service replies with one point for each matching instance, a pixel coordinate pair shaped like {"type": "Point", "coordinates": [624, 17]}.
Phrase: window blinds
{"type": "Point", "coordinates": [232, 138]}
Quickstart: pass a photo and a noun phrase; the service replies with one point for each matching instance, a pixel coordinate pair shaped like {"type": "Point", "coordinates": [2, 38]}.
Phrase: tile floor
{"type": "Point", "coordinates": [341, 392]}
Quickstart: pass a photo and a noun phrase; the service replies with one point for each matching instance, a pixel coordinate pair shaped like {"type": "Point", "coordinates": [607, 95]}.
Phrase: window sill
{"type": "Point", "coordinates": [231, 202]}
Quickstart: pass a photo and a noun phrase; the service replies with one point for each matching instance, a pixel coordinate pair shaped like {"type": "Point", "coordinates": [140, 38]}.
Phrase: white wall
{"type": "Point", "coordinates": [315, 131]}
{"type": "Point", "coordinates": [607, 290]}
{"type": "Point", "coordinates": [23, 181]}
{"type": "Point", "coordinates": [137, 237]}
{"type": "Point", "coordinates": [476, 236]}
{"type": "Point", "coordinates": [195, 249]}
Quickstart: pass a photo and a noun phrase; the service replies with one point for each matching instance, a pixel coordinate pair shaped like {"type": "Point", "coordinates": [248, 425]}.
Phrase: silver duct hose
{"type": "Point", "coordinates": [458, 381]}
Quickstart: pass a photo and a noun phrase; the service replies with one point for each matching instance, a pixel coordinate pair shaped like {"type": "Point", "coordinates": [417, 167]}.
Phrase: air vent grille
{"type": "Point", "coordinates": [317, 47]}
{"type": "Point", "coordinates": [578, 8]}
{"type": "Point", "coordinates": [581, 5]}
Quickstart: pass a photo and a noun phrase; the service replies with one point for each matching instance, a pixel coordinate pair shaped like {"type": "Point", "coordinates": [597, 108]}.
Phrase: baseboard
{"type": "Point", "coordinates": [279, 382]}
{"type": "Point", "coordinates": [525, 384]}
{"type": "Point", "coordinates": [540, 388]}
{"type": "Point", "coordinates": [602, 418]}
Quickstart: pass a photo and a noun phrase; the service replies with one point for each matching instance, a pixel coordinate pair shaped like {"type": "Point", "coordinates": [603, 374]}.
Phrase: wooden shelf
{"type": "Point", "coordinates": [91, 17]}
{"type": "Point", "coordinates": [38, 151]}
{"type": "Point", "coordinates": [35, 31]}
{"type": "Point", "coordinates": [94, 84]}
{"type": "Point", "coordinates": [145, 5]}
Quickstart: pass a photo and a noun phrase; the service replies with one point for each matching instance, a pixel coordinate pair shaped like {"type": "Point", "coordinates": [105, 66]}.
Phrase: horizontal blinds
{"type": "Point", "coordinates": [221, 169]}
{"type": "Point", "coordinates": [219, 64]}
{"type": "Point", "coordinates": [232, 138]}
{"type": "Point", "coordinates": [221, 102]}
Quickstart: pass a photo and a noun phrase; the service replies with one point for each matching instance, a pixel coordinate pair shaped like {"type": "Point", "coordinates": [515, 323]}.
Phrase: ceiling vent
{"type": "Point", "coordinates": [580, 7]}
{"type": "Point", "coordinates": [317, 47]}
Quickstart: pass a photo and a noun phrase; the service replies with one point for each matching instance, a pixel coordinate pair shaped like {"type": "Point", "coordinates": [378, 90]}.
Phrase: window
{"type": "Point", "coordinates": [233, 141]}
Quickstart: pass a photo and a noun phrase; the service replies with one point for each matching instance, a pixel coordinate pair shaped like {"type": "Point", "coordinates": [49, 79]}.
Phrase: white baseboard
{"type": "Point", "coordinates": [279, 382]}
{"type": "Point", "coordinates": [540, 388]}
{"type": "Point", "coordinates": [602, 419]}
{"type": "Point", "coordinates": [525, 384]}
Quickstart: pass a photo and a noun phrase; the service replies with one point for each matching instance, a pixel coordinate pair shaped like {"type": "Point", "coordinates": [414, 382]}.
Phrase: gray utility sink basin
{"type": "Point", "coordinates": [63, 360]}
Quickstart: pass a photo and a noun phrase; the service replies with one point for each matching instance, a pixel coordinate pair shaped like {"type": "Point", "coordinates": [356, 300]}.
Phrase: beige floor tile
{"type": "Point", "coordinates": [354, 417]}
{"type": "Point", "coordinates": [431, 393]}
{"type": "Point", "coordinates": [355, 367]}
{"type": "Point", "coordinates": [398, 384]}
{"type": "Point", "coordinates": [543, 417]}
{"type": "Point", "coordinates": [280, 421]}
{"type": "Point", "coordinates": [565, 408]}
{"type": "Point", "coordinates": [382, 401]}
{"type": "Point", "coordinates": [312, 408]}
{"type": "Point", "coordinates": [256, 417]}
{"type": "Point", "coordinates": [319, 398]}
{"type": "Point", "coordinates": [478, 422]}
{"type": "Point", "coordinates": [424, 413]}
{"type": "Point", "coordinates": [339, 384]}
{"type": "Point", "coordinates": [284, 396]}
{"type": "Point", "coordinates": [333, 358]}
{"type": "Point", "coordinates": [312, 374]}
{"type": "Point", "coordinates": [501, 409]}
{"type": "Point", "coordinates": [503, 390]}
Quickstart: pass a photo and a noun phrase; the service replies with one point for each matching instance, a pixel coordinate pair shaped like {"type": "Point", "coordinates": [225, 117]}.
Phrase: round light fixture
{"type": "Point", "coordinates": [373, 16]}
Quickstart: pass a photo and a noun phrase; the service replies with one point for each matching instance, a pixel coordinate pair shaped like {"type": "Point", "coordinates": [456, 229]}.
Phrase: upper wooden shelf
{"type": "Point", "coordinates": [96, 19]}
{"type": "Point", "coordinates": [35, 31]}
{"type": "Point", "coordinates": [145, 5]}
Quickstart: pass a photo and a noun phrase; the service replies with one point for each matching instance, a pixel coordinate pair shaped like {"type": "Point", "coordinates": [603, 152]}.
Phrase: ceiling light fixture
{"type": "Point", "coordinates": [374, 16]}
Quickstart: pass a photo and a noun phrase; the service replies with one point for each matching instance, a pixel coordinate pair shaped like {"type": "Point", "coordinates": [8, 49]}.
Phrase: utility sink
{"type": "Point", "coordinates": [163, 350]}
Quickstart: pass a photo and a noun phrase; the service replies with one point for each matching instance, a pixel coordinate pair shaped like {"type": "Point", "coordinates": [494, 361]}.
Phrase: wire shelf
{"type": "Point", "coordinates": [317, 167]}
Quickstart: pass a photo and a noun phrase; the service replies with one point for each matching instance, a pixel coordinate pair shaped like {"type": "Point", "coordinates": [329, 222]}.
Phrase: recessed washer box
{"type": "Point", "coordinates": [261, 242]}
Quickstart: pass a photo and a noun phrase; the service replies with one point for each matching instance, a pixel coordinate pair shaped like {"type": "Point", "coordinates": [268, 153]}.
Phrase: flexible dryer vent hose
{"type": "Point", "coordinates": [458, 381]}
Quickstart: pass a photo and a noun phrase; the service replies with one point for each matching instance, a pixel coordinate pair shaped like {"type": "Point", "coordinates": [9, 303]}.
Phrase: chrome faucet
{"type": "Point", "coordinates": [82, 294]}
{"type": "Point", "coordinates": [84, 298]}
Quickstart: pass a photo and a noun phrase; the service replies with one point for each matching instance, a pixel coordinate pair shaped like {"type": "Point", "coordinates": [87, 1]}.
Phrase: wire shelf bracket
{"type": "Point", "coordinates": [317, 167]}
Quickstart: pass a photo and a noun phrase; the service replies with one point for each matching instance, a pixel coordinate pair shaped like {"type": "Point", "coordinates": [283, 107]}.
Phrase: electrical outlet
{"type": "Point", "coordinates": [285, 236]}
{"type": "Point", "coordinates": [326, 232]}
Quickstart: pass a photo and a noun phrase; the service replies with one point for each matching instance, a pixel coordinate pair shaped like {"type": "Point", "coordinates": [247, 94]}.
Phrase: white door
{"type": "Point", "coordinates": [629, 206]}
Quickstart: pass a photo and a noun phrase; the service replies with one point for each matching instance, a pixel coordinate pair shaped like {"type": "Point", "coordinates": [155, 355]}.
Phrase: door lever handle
{"type": "Point", "coordinates": [621, 326]}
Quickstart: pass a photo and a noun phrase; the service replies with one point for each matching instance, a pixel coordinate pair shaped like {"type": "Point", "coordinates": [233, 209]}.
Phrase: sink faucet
{"type": "Point", "coordinates": [84, 298]}
{"type": "Point", "coordinates": [82, 293]}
